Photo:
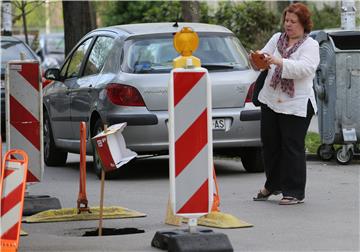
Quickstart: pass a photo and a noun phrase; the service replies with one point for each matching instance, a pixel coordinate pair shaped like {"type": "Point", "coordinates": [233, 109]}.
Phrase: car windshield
{"type": "Point", "coordinates": [10, 50]}
{"type": "Point", "coordinates": [155, 55]}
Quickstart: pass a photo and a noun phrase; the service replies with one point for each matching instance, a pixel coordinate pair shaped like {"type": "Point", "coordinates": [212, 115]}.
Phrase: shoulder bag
{"type": "Point", "coordinates": [259, 83]}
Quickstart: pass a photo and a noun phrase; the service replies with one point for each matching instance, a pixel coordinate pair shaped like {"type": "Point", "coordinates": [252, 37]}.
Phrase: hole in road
{"type": "Point", "coordinates": [113, 231]}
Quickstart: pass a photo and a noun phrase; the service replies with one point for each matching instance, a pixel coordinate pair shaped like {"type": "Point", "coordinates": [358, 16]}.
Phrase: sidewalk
{"type": "Point", "coordinates": [327, 221]}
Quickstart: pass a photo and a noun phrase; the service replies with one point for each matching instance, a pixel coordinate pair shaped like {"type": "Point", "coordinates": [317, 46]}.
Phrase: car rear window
{"type": "Point", "coordinates": [155, 55]}
{"type": "Point", "coordinates": [10, 50]}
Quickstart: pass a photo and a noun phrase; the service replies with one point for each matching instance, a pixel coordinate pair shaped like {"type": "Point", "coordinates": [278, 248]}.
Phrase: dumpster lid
{"type": "Point", "coordinates": [346, 40]}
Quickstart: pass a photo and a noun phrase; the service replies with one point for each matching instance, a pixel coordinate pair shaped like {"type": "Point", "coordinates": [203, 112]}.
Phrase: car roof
{"type": "Point", "coordinates": [161, 28]}
{"type": "Point", "coordinates": [9, 38]}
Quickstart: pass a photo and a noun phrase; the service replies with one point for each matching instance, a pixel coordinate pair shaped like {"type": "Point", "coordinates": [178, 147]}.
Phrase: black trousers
{"type": "Point", "coordinates": [283, 138]}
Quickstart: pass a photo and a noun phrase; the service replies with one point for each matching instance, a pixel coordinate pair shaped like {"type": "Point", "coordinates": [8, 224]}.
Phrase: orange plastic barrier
{"type": "Point", "coordinates": [0, 156]}
{"type": "Point", "coordinates": [216, 200]}
{"type": "Point", "coordinates": [12, 190]}
{"type": "Point", "coordinates": [82, 199]}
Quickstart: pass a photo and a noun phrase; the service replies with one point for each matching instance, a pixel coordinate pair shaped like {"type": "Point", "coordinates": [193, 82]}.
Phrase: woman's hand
{"type": "Point", "coordinates": [271, 59]}
{"type": "Point", "coordinates": [251, 61]}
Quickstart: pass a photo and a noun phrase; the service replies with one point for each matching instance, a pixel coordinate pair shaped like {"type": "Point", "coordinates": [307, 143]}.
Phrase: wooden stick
{"type": "Point", "coordinates": [101, 201]}
{"type": "Point", "coordinates": [101, 197]}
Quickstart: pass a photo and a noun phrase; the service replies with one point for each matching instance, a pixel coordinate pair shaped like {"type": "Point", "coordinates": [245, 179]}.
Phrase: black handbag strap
{"type": "Point", "coordinates": [259, 83]}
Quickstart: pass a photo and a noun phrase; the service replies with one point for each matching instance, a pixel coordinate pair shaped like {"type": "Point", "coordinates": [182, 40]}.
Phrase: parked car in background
{"type": "Point", "coordinates": [120, 74]}
{"type": "Point", "coordinates": [51, 50]}
{"type": "Point", "coordinates": [11, 49]}
{"type": "Point", "coordinates": [33, 40]}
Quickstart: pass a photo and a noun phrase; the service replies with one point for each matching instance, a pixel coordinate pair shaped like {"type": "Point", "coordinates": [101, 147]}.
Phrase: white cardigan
{"type": "Point", "coordinates": [300, 67]}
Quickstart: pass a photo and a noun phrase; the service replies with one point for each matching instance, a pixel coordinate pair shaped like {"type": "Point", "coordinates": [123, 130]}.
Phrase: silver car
{"type": "Point", "coordinates": [120, 74]}
{"type": "Point", "coordinates": [12, 48]}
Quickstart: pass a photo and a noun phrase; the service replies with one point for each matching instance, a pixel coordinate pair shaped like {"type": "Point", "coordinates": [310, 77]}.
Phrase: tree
{"type": "Point", "coordinates": [6, 18]}
{"type": "Point", "coordinates": [129, 12]}
{"type": "Point", "coordinates": [190, 11]}
{"type": "Point", "coordinates": [327, 17]}
{"type": "Point", "coordinates": [25, 8]}
{"type": "Point", "coordinates": [244, 20]}
{"type": "Point", "coordinates": [79, 19]}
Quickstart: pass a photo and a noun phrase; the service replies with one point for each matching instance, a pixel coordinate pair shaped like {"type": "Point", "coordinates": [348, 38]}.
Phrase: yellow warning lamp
{"type": "Point", "coordinates": [186, 42]}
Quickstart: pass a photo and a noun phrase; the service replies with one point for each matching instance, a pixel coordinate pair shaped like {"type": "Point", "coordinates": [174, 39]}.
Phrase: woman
{"type": "Point", "coordinates": [288, 105]}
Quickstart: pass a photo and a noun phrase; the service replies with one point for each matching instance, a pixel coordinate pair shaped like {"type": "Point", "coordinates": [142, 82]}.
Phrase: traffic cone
{"type": "Point", "coordinates": [216, 197]}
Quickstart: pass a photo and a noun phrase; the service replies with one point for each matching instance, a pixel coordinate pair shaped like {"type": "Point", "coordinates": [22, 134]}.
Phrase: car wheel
{"type": "Point", "coordinates": [342, 158]}
{"type": "Point", "coordinates": [252, 159]}
{"type": "Point", "coordinates": [325, 152]}
{"type": "Point", "coordinates": [52, 155]}
{"type": "Point", "coordinates": [97, 128]}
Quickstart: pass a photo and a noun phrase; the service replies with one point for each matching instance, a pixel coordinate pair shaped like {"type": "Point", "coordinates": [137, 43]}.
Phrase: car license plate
{"type": "Point", "coordinates": [218, 124]}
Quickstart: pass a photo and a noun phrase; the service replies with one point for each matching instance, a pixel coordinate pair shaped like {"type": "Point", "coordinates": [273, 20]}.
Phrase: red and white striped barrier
{"type": "Point", "coordinates": [24, 115]}
{"type": "Point", "coordinates": [190, 142]}
{"type": "Point", "coordinates": [12, 190]}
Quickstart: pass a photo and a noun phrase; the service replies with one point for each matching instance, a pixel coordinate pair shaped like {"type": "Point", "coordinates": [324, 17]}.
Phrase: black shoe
{"type": "Point", "coordinates": [263, 197]}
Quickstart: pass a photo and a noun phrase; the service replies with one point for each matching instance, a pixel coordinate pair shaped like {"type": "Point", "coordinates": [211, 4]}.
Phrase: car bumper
{"type": "Point", "coordinates": [146, 134]}
{"type": "Point", "coordinates": [250, 115]}
{"type": "Point", "coordinates": [133, 120]}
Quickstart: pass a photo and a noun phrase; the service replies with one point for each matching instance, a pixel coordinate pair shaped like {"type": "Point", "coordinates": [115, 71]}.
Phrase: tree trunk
{"type": "Point", "coordinates": [190, 11]}
{"type": "Point", "coordinates": [77, 22]}
{"type": "Point", "coordinates": [23, 14]}
{"type": "Point", "coordinates": [6, 18]}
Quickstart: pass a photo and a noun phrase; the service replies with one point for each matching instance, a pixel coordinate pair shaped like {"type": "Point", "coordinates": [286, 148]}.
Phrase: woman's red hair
{"type": "Point", "coordinates": [303, 13]}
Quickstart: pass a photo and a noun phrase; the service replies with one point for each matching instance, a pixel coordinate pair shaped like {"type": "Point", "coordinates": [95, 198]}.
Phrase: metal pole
{"type": "Point", "coordinates": [192, 225]}
{"type": "Point", "coordinates": [6, 18]}
{"type": "Point", "coordinates": [348, 15]}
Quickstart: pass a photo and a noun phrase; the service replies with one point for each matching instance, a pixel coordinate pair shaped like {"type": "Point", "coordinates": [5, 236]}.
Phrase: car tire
{"type": "Point", "coordinates": [97, 165]}
{"type": "Point", "coordinates": [53, 156]}
{"type": "Point", "coordinates": [252, 159]}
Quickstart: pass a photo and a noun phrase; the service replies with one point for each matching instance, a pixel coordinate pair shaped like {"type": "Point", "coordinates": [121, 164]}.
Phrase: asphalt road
{"type": "Point", "coordinates": [327, 221]}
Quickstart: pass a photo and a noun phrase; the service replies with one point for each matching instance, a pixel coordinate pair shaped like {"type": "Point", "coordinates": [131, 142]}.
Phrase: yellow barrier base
{"type": "Point", "coordinates": [170, 218]}
{"type": "Point", "coordinates": [220, 220]}
{"type": "Point", "coordinates": [71, 214]}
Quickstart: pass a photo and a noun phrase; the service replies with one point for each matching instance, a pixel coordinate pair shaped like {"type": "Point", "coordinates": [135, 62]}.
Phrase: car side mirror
{"type": "Point", "coordinates": [52, 74]}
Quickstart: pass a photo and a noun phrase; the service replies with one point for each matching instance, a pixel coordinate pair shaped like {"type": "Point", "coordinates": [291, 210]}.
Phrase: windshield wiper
{"type": "Point", "coordinates": [217, 66]}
